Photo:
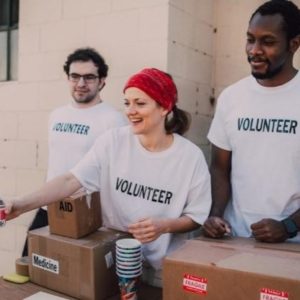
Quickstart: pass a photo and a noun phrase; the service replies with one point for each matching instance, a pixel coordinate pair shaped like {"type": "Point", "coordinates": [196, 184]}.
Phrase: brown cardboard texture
{"type": "Point", "coordinates": [233, 269]}
{"type": "Point", "coordinates": [250, 243]}
{"type": "Point", "coordinates": [81, 268]}
{"type": "Point", "coordinates": [75, 216]}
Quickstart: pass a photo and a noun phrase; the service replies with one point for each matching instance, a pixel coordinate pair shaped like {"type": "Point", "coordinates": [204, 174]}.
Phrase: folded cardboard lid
{"type": "Point", "coordinates": [238, 256]}
{"type": "Point", "coordinates": [241, 242]}
{"type": "Point", "coordinates": [81, 194]}
{"type": "Point", "coordinates": [262, 264]}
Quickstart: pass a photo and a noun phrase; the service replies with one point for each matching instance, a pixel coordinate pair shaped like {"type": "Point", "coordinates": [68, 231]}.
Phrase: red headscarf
{"type": "Point", "coordinates": [157, 84]}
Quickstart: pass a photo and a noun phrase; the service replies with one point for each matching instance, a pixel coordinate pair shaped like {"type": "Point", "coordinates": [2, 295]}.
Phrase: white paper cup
{"type": "Point", "coordinates": [129, 274]}
{"type": "Point", "coordinates": [129, 263]}
{"type": "Point", "coordinates": [128, 251]}
{"type": "Point", "coordinates": [129, 244]}
{"type": "Point", "coordinates": [123, 267]}
{"type": "Point", "coordinates": [129, 260]}
{"type": "Point", "coordinates": [125, 256]}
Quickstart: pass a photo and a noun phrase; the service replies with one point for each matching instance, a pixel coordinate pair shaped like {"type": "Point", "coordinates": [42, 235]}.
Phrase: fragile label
{"type": "Point", "coordinates": [195, 284]}
{"type": "Point", "coordinates": [45, 263]}
{"type": "Point", "coordinates": [270, 294]}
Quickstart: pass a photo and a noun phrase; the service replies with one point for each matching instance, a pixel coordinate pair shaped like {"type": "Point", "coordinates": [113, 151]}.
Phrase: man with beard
{"type": "Point", "coordinates": [73, 128]}
{"type": "Point", "coordinates": [255, 135]}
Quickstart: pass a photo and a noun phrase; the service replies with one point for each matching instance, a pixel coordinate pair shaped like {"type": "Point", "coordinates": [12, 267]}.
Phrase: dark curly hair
{"type": "Point", "coordinates": [87, 54]}
{"type": "Point", "coordinates": [289, 12]}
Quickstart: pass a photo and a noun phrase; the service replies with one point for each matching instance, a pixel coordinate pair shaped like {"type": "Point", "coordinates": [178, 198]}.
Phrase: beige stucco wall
{"type": "Point", "coordinates": [200, 42]}
{"type": "Point", "coordinates": [190, 61]}
{"type": "Point", "coordinates": [130, 34]}
{"type": "Point", "coordinates": [232, 18]}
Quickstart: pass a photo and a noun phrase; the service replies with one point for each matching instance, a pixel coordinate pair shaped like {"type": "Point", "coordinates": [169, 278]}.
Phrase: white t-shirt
{"type": "Point", "coordinates": [73, 131]}
{"type": "Point", "coordinates": [136, 184]}
{"type": "Point", "coordinates": [261, 127]}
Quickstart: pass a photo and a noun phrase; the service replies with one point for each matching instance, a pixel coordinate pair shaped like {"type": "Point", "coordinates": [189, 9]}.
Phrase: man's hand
{"type": "Point", "coordinates": [147, 230]}
{"type": "Point", "coordinates": [269, 230]}
{"type": "Point", "coordinates": [216, 227]}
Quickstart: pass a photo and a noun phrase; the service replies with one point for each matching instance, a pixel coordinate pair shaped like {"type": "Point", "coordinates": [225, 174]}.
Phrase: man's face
{"type": "Point", "coordinates": [267, 48]}
{"type": "Point", "coordinates": [84, 82]}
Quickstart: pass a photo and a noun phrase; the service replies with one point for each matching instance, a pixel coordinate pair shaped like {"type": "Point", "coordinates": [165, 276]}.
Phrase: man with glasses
{"type": "Point", "coordinates": [73, 128]}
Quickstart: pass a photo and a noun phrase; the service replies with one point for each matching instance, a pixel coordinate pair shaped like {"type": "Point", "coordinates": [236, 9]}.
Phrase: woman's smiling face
{"type": "Point", "coordinates": [144, 114]}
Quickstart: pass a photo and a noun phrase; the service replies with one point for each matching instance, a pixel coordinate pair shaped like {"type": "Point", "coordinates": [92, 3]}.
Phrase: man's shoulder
{"type": "Point", "coordinates": [61, 109]}
{"type": "Point", "coordinates": [112, 115]}
{"type": "Point", "coordinates": [234, 91]}
{"type": "Point", "coordinates": [107, 107]}
{"type": "Point", "coordinates": [115, 135]}
{"type": "Point", "coordinates": [240, 84]}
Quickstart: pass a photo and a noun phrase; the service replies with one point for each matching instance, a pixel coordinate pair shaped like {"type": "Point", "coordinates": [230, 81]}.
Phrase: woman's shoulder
{"type": "Point", "coordinates": [187, 145]}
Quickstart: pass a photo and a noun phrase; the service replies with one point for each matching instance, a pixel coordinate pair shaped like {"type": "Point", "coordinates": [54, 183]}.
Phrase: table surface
{"type": "Point", "coordinates": [15, 291]}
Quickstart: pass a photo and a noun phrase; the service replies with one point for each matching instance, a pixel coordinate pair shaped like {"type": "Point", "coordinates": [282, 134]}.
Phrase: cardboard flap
{"type": "Point", "coordinates": [286, 246]}
{"type": "Point", "coordinates": [268, 265]}
{"type": "Point", "coordinates": [242, 242]}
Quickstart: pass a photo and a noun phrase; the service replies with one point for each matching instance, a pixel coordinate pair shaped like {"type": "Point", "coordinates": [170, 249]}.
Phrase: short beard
{"type": "Point", "coordinates": [269, 73]}
{"type": "Point", "coordinates": [85, 100]}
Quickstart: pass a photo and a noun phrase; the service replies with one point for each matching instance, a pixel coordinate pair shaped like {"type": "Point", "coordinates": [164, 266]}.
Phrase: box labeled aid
{"type": "Point", "coordinates": [75, 216]}
{"type": "Point", "coordinates": [235, 268]}
{"type": "Point", "coordinates": [81, 268]}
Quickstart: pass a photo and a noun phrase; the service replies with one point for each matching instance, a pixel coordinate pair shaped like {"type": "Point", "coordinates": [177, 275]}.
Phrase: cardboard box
{"type": "Point", "coordinates": [232, 269]}
{"type": "Point", "coordinates": [75, 216]}
{"type": "Point", "coordinates": [81, 268]}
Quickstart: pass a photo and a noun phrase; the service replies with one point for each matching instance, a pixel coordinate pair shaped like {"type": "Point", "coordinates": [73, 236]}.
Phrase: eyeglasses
{"type": "Point", "coordinates": [87, 78]}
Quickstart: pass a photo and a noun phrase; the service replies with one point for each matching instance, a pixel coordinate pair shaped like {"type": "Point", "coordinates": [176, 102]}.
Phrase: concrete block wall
{"type": "Point", "coordinates": [190, 61]}
{"type": "Point", "coordinates": [231, 21]}
{"type": "Point", "coordinates": [130, 34]}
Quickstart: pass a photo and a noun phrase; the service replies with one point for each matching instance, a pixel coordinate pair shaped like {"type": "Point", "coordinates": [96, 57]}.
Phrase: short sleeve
{"type": "Point", "coordinates": [88, 169]}
{"type": "Point", "coordinates": [199, 196]}
{"type": "Point", "coordinates": [217, 134]}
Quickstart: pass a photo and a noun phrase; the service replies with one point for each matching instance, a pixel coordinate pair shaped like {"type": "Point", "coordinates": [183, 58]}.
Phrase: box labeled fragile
{"type": "Point", "coordinates": [235, 268]}
{"type": "Point", "coordinates": [75, 216]}
{"type": "Point", "coordinates": [82, 268]}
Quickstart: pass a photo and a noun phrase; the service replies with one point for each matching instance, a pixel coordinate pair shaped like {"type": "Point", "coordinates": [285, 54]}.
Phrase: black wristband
{"type": "Point", "coordinates": [291, 227]}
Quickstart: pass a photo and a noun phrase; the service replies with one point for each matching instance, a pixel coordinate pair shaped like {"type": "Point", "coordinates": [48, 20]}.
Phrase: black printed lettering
{"type": "Point", "coordinates": [168, 197]}
{"type": "Point", "coordinates": [267, 125]}
{"type": "Point", "coordinates": [124, 186]}
{"type": "Point", "coordinates": [118, 183]}
{"type": "Point", "coordinates": [161, 196]}
{"type": "Point", "coordinates": [155, 195]}
{"type": "Point", "coordinates": [143, 192]}
{"type": "Point", "coordinates": [129, 189]}
{"type": "Point", "coordinates": [71, 128]}
{"type": "Point", "coordinates": [293, 126]}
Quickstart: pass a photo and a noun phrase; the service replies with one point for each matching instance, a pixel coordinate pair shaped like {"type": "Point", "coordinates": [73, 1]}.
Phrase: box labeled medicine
{"type": "Point", "coordinates": [82, 268]}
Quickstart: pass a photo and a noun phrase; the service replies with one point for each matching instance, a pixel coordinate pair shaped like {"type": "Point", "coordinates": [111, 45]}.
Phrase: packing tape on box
{"type": "Point", "coordinates": [22, 266]}
{"type": "Point", "coordinates": [89, 200]}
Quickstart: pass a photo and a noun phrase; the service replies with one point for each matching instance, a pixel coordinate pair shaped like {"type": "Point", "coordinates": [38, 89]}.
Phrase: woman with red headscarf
{"type": "Point", "coordinates": [154, 183]}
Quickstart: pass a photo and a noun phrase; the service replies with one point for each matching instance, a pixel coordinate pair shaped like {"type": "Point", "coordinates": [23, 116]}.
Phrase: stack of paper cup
{"type": "Point", "coordinates": [129, 267]}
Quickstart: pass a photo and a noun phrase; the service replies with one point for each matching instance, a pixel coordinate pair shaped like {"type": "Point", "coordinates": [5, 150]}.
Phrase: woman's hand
{"type": "Point", "coordinates": [148, 230]}
{"type": "Point", "coordinates": [11, 209]}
